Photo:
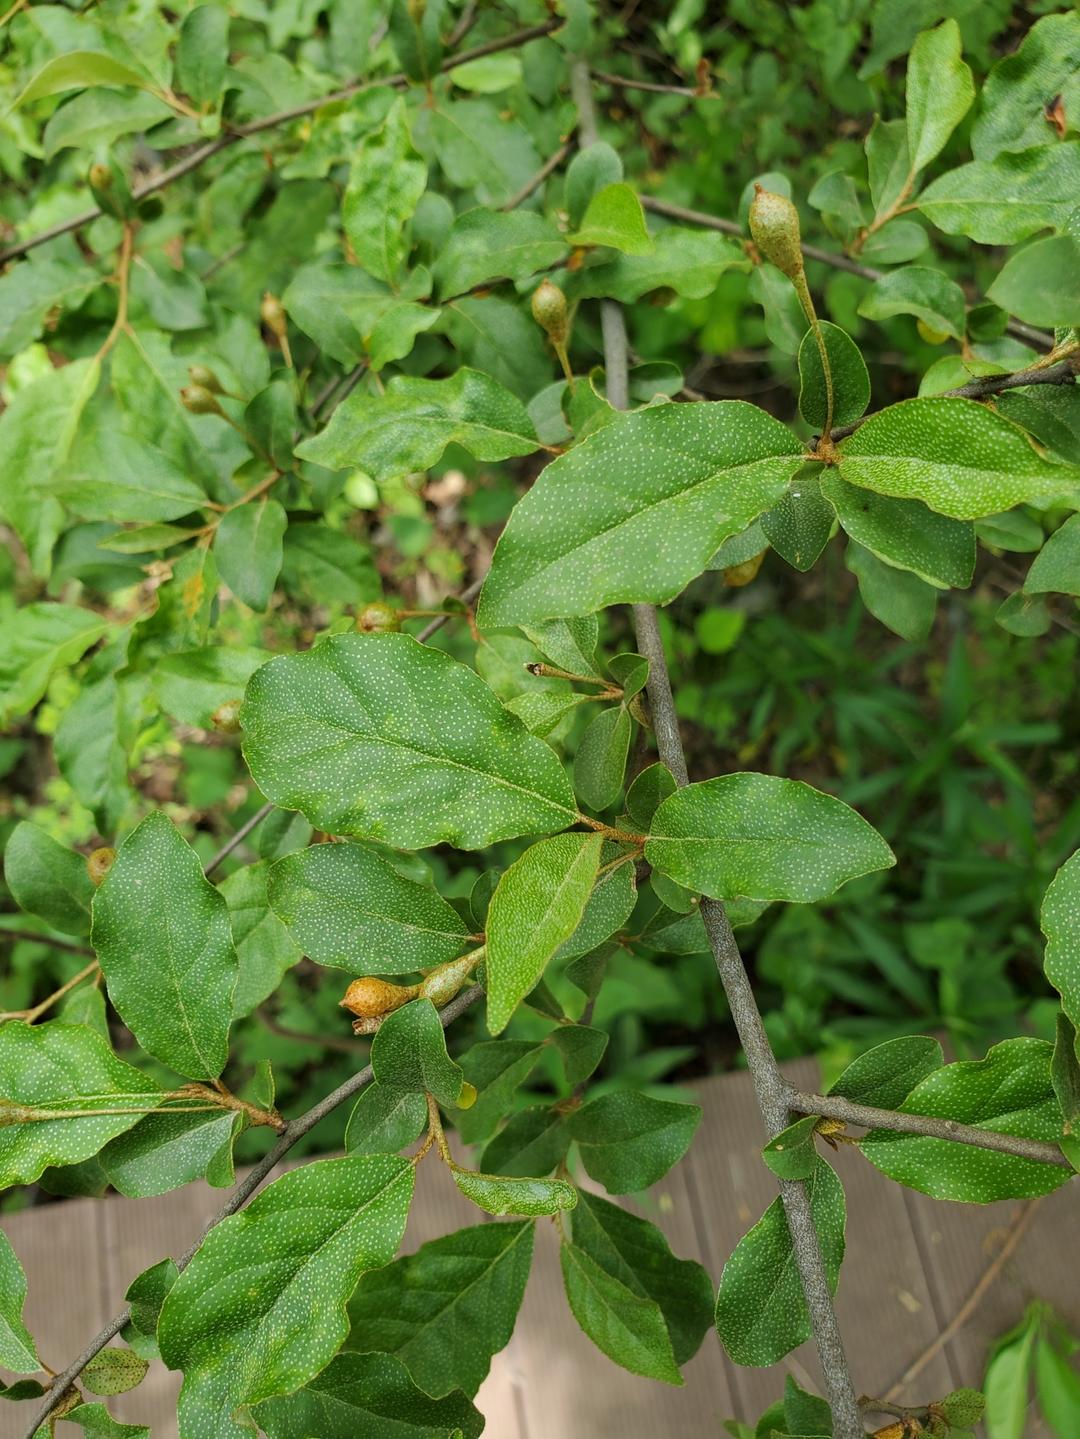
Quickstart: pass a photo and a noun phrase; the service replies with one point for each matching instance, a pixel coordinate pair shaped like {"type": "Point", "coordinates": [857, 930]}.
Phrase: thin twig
{"type": "Point", "coordinates": [239, 837]}
{"type": "Point", "coordinates": [768, 1082]}
{"type": "Point", "coordinates": [337, 389]}
{"type": "Point", "coordinates": [625, 83]}
{"type": "Point", "coordinates": [437, 623]}
{"type": "Point", "coordinates": [37, 1010]}
{"type": "Point", "coordinates": [67, 945]}
{"type": "Point", "coordinates": [833, 1106]}
{"type": "Point", "coordinates": [269, 122]}
{"type": "Point", "coordinates": [294, 1131]}
{"type": "Point", "coordinates": [538, 179]}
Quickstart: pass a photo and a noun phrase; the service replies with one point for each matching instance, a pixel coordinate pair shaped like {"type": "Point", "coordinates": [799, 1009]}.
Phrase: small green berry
{"type": "Point", "coordinates": [199, 400]}
{"type": "Point", "coordinates": [378, 619]}
{"type": "Point", "coordinates": [204, 377]}
{"type": "Point", "coordinates": [774, 224]}
{"type": "Point", "coordinates": [226, 718]}
{"type": "Point", "coordinates": [549, 311]}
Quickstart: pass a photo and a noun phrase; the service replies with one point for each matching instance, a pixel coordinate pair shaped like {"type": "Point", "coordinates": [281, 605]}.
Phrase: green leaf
{"type": "Point", "coordinates": [77, 70]}
{"type": "Point", "coordinates": [629, 1140]}
{"type": "Point", "coordinates": [805, 1414]}
{"type": "Point", "coordinates": [99, 117]}
{"type": "Point", "coordinates": [164, 1151]}
{"type": "Point", "coordinates": [1006, 1384]}
{"type": "Point", "coordinates": [511, 1194]}
{"type": "Point", "coordinates": [63, 1067]}
{"type": "Point", "coordinates": [378, 736]}
{"type": "Point", "coordinates": [385, 183]}
{"type": "Point", "coordinates": [1025, 615]}
{"type": "Point", "coordinates": [798, 528]}
{"type": "Point", "coordinates": [917, 290]}
{"type": "Point", "coordinates": [367, 1396]}
{"type": "Point", "coordinates": [587, 174]}
{"type": "Point", "coordinates": [408, 428]}
{"type": "Point", "coordinates": [533, 1141]}
{"type": "Point", "coordinates": [416, 33]}
{"type": "Point", "coordinates": [900, 600]}
{"type": "Point", "coordinates": [649, 789]}
{"type": "Point", "coordinates": [34, 290]}
{"type": "Point", "coordinates": [328, 566]}
{"type": "Point", "coordinates": [48, 880]}
{"type": "Point", "coordinates": [687, 262]}
{"type": "Point", "coordinates": [384, 1120]}
{"type": "Point", "coordinates": [570, 644]}
{"type": "Point", "coordinates": [939, 92]}
{"type": "Point", "coordinates": [1001, 201]}
{"type": "Point", "coordinates": [616, 521]}
{"type": "Point", "coordinates": [1057, 1386]}
{"type": "Point", "coordinates": [41, 639]}
{"type": "Point", "coordinates": [1041, 284]}
{"type": "Point", "coordinates": [480, 147]}
{"type": "Point", "coordinates": [113, 476]}
{"type": "Point", "coordinates": [487, 75]}
{"type": "Point", "coordinates": [494, 1069]}
{"type": "Point", "coordinates": [791, 1154]}
{"type": "Point", "coordinates": [114, 1371]}
{"type": "Point", "coordinates": [851, 382]}
{"type": "Point", "coordinates": [445, 1310]}
{"type": "Point", "coordinates": [1059, 920]}
{"type": "Point", "coordinates": [957, 456]}
{"type": "Point", "coordinates": [17, 1351]}
{"type": "Point", "coordinates": [600, 761]}
{"type": "Point", "coordinates": [896, 243]}
{"type": "Point", "coordinates": [351, 316]}
{"type": "Point", "coordinates": [247, 546]}
{"type": "Point", "coordinates": [628, 1327]}
{"type": "Point", "coordinates": [191, 685]}
{"type": "Point", "coordinates": [634, 1252]}
{"type": "Point", "coordinates": [489, 245]}
{"type": "Point", "coordinates": [409, 1053]}
{"type": "Point", "coordinates": [1046, 63]}
{"type": "Point", "coordinates": [581, 1048]}
{"type": "Point", "coordinates": [885, 1075]}
{"type": "Point", "coordinates": [96, 1421]}
{"type": "Point", "coordinates": [260, 1310]}
{"type": "Point", "coordinates": [761, 1312]}
{"type": "Point", "coordinates": [904, 533]}
{"type": "Point", "coordinates": [757, 836]}
{"type": "Point", "coordinates": [161, 931]}
{"type": "Point", "coordinates": [264, 947]}
{"type": "Point", "coordinates": [1010, 1091]}
{"type": "Point", "coordinates": [537, 904]}
{"type": "Point", "coordinates": [202, 53]}
{"type": "Point", "coordinates": [1056, 569]}
{"type": "Point", "coordinates": [146, 1294]}
{"type": "Point", "coordinates": [614, 217]}
{"type": "Point", "coordinates": [348, 907]}
{"type": "Point", "coordinates": [1065, 1078]}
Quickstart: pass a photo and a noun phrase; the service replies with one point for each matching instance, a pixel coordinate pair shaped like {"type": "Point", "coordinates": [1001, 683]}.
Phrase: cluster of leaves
{"type": "Point", "coordinates": [205, 386]}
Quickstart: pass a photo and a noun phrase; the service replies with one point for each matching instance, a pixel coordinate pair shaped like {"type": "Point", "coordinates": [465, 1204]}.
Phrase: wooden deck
{"type": "Point", "coordinates": [911, 1265]}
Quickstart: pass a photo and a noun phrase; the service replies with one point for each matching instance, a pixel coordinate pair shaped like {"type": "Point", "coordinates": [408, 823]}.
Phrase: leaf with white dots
{"type": "Point", "coordinates": [904, 533]}
{"type": "Point", "coordinates": [625, 1325]}
{"type": "Point", "coordinates": [537, 905]}
{"type": "Point", "coordinates": [260, 1310]}
{"type": "Point", "coordinates": [379, 737]}
{"type": "Point", "coordinates": [445, 1310]}
{"type": "Point", "coordinates": [69, 1070]}
{"type": "Point", "coordinates": [17, 1351]}
{"type": "Point", "coordinates": [166, 1150]}
{"type": "Point", "coordinates": [759, 837]}
{"type": "Point", "coordinates": [409, 1054]}
{"type": "Point", "coordinates": [1010, 1091]}
{"type": "Point", "coordinates": [384, 1120]}
{"type": "Point", "coordinates": [637, 511]}
{"type": "Point", "coordinates": [1060, 922]}
{"type": "Point", "coordinates": [630, 1140]}
{"type": "Point", "coordinates": [367, 1396]}
{"type": "Point", "coordinates": [348, 907]}
{"type": "Point", "coordinates": [956, 456]}
{"type": "Point", "coordinates": [761, 1312]}
{"type": "Point", "coordinates": [162, 934]}
{"type": "Point", "coordinates": [513, 1194]}
{"type": "Point", "coordinates": [885, 1075]}
{"type": "Point", "coordinates": [48, 879]}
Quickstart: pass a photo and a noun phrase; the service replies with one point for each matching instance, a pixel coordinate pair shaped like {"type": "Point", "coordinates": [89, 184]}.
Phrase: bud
{"type": "Point", "coordinates": [98, 863]}
{"type": "Point", "coordinates": [378, 619]}
{"type": "Point", "coordinates": [441, 984]}
{"type": "Point", "coordinates": [226, 718]}
{"type": "Point", "coordinates": [199, 400]}
{"type": "Point", "coordinates": [272, 313]}
{"type": "Point", "coordinates": [738, 575]}
{"type": "Point", "coordinates": [467, 1097]}
{"type": "Point", "coordinates": [774, 224]}
{"type": "Point", "coordinates": [110, 189]}
{"type": "Point", "coordinates": [549, 311]}
{"type": "Point", "coordinates": [204, 377]}
{"type": "Point", "coordinates": [368, 998]}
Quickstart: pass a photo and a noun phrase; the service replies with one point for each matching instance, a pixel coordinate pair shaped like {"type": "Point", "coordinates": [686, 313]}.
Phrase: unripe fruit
{"type": "Point", "coordinates": [99, 862]}
{"type": "Point", "coordinates": [110, 189]}
{"type": "Point", "coordinates": [370, 997]}
{"type": "Point", "coordinates": [774, 224]}
{"type": "Point", "coordinates": [226, 718]}
{"type": "Point", "coordinates": [204, 377]}
{"type": "Point", "coordinates": [443, 983]}
{"type": "Point", "coordinates": [467, 1097]}
{"type": "Point", "coordinates": [272, 313]}
{"type": "Point", "coordinates": [549, 311]}
{"type": "Point", "coordinates": [738, 575]}
{"type": "Point", "coordinates": [378, 619]}
{"type": "Point", "coordinates": [199, 400]}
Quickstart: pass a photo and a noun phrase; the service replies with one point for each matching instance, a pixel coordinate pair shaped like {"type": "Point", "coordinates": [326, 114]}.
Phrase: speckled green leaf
{"type": "Point", "coordinates": [347, 907]}
{"type": "Point", "coordinates": [918, 290]}
{"type": "Point", "coordinates": [114, 1371]}
{"type": "Point", "coordinates": [537, 905]}
{"type": "Point", "coordinates": [626, 1326]}
{"type": "Point", "coordinates": [1056, 568]}
{"type": "Point", "coordinates": [630, 1140]}
{"type": "Point", "coordinates": [513, 1194]}
{"type": "Point", "coordinates": [1045, 64]}
{"type": "Point", "coordinates": [885, 1075]}
{"type": "Point", "coordinates": [569, 644]}
{"type": "Point", "coordinates": [48, 879]}
{"type": "Point", "coordinates": [367, 1396]}
{"type": "Point", "coordinates": [494, 1068]}
{"type": "Point", "coordinates": [378, 736]}
{"type": "Point", "coordinates": [96, 1421]}
{"type": "Point", "coordinates": [533, 1141]}
{"type": "Point", "coordinates": [1060, 922]}
{"type": "Point", "coordinates": [900, 600]}
{"type": "Point", "coordinates": [445, 1310]}
{"type": "Point", "coordinates": [1041, 283]}
{"type": "Point", "coordinates": [760, 837]}
{"type": "Point", "coordinates": [409, 1053]}
{"type": "Point", "coordinates": [798, 528]}
{"type": "Point", "coordinates": [265, 949]}
{"type": "Point", "coordinates": [637, 511]}
{"type": "Point", "coordinates": [1001, 201]}
{"type": "Point", "coordinates": [1009, 1091]}
{"type": "Point", "coordinates": [939, 91]}
{"type": "Point", "coordinates": [957, 456]}
{"type": "Point", "coordinates": [384, 1120]}
{"type": "Point", "coordinates": [761, 1312]}
{"type": "Point", "coordinates": [17, 1351]}
{"type": "Point", "coordinates": [904, 533]}
{"type": "Point", "coordinates": [650, 787]}
{"type": "Point", "coordinates": [581, 1048]}
{"type": "Point", "coordinates": [407, 428]}
{"type": "Point", "coordinates": [1065, 1078]}
{"type": "Point", "coordinates": [164, 1151]}
{"type": "Point", "coordinates": [850, 380]}
{"type": "Point", "coordinates": [634, 1252]}
{"type": "Point", "coordinates": [688, 262]}
{"type": "Point", "coordinates": [40, 639]}
{"type": "Point", "coordinates": [146, 1294]}
{"type": "Point", "coordinates": [791, 1154]}
{"type": "Point", "coordinates": [162, 934]}
{"type": "Point", "coordinates": [600, 761]}
{"type": "Point", "coordinates": [488, 245]}
{"type": "Point", "coordinates": [63, 1067]}
{"type": "Point", "coordinates": [191, 685]}
{"type": "Point", "coordinates": [387, 179]}
{"type": "Point", "coordinates": [248, 549]}
{"type": "Point", "coordinates": [614, 217]}
{"type": "Point", "coordinates": [260, 1310]}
